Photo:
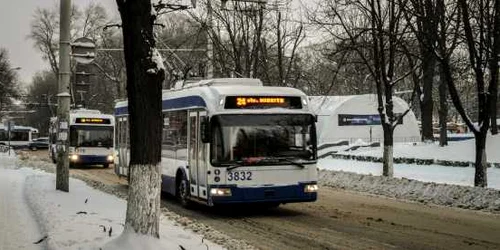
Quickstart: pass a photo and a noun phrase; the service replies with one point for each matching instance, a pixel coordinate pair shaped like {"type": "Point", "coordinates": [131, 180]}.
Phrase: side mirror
{"type": "Point", "coordinates": [205, 129]}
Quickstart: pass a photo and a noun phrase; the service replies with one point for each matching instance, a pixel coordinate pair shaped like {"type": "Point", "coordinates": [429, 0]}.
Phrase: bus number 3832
{"type": "Point", "coordinates": [239, 176]}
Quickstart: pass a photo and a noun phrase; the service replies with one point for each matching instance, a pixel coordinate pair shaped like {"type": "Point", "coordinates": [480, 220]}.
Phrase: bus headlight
{"type": "Point", "coordinates": [73, 157]}
{"type": "Point", "coordinates": [311, 188]}
{"type": "Point", "coordinates": [110, 158]}
{"type": "Point", "coordinates": [220, 192]}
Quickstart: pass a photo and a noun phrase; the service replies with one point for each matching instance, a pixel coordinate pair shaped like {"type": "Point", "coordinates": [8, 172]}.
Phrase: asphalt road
{"type": "Point", "coordinates": [340, 219]}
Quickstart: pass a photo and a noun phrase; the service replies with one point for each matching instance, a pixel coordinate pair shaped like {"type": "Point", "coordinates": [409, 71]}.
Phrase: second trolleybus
{"type": "Point", "coordinates": [232, 140]}
{"type": "Point", "coordinates": [91, 138]}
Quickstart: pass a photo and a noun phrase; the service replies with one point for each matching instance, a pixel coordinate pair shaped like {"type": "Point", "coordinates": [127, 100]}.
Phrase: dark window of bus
{"type": "Point", "coordinates": [4, 135]}
{"type": "Point", "coordinates": [91, 136]}
{"type": "Point", "coordinates": [263, 139]}
{"type": "Point", "coordinates": [19, 135]}
{"type": "Point", "coordinates": [174, 138]}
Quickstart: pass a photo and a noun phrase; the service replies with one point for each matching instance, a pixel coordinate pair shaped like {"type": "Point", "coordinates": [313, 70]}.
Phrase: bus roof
{"type": "Point", "coordinates": [210, 93]}
{"type": "Point", "coordinates": [19, 127]}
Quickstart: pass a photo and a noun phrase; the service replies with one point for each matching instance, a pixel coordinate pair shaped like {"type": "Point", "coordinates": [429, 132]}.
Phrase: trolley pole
{"type": "Point", "coordinates": [63, 98]}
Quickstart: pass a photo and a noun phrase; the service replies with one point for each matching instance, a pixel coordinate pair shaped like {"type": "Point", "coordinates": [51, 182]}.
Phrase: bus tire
{"type": "Point", "coordinates": [106, 165]}
{"type": "Point", "coordinates": [182, 190]}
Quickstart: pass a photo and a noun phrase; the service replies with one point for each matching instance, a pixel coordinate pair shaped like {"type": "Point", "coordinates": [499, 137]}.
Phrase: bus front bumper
{"type": "Point", "coordinates": [232, 194]}
{"type": "Point", "coordinates": [91, 159]}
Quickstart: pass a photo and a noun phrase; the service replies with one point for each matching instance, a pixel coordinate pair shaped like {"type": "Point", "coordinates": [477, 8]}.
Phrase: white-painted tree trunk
{"type": "Point", "coordinates": [143, 210]}
{"type": "Point", "coordinates": [388, 161]}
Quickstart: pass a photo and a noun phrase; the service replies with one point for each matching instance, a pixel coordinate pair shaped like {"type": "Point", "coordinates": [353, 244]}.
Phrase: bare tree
{"type": "Point", "coordinates": [42, 98]}
{"type": "Point", "coordinates": [91, 22]}
{"type": "Point", "coordinates": [45, 34]}
{"type": "Point", "coordinates": [375, 31]}
{"type": "Point", "coordinates": [254, 40]}
{"type": "Point", "coordinates": [145, 74]}
{"type": "Point", "coordinates": [9, 88]}
{"type": "Point", "coordinates": [481, 29]}
{"type": "Point", "coordinates": [422, 18]}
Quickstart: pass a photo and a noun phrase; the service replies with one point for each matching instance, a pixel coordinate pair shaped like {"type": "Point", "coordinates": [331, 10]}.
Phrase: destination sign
{"type": "Point", "coordinates": [93, 120]}
{"type": "Point", "coordinates": [256, 102]}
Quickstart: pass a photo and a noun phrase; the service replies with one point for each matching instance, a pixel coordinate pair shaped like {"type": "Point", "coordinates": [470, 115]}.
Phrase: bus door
{"type": "Point", "coordinates": [202, 157]}
{"type": "Point", "coordinates": [197, 162]}
{"type": "Point", "coordinates": [122, 146]}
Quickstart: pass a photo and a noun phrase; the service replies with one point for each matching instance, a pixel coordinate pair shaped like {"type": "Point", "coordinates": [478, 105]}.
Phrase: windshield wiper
{"type": "Point", "coordinates": [292, 162]}
{"type": "Point", "coordinates": [234, 165]}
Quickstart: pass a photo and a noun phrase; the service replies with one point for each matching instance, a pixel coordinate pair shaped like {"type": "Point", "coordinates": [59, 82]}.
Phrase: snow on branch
{"type": "Point", "coordinates": [157, 59]}
{"type": "Point", "coordinates": [399, 119]}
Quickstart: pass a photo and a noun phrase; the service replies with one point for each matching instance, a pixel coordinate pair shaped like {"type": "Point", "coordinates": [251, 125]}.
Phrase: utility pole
{"type": "Point", "coordinates": [63, 98]}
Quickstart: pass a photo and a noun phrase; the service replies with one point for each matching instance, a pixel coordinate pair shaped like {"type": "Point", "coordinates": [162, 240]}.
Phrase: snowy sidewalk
{"type": "Point", "coordinates": [18, 227]}
{"type": "Point", "coordinates": [84, 218]}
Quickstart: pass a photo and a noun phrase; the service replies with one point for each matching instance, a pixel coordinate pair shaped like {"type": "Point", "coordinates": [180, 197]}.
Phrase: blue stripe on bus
{"type": "Point", "coordinates": [184, 102]}
{"type": "Point", "coordinates": [177, 103]}
{"type": "Point", "coordinates": [92, 159]}
{"type": "Point", "coordinates": [281, 194]}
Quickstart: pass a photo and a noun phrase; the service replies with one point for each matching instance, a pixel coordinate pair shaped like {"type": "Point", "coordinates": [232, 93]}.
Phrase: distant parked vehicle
{"type": "Point", "coordinates": [20, 136]}
{"type": "Point", "coordinates": [39, 143]}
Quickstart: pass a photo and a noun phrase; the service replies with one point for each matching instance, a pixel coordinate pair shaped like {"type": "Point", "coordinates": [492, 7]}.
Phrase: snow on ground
{"type": "Point", "coordinates": [209, 233]}
{"type": "Point", "coordinates": [474, 198]}
{"type": "Point", "coordinates": [455, 151]}
{"type": "Point", "coordinates": [443, 185]}
{"type": "Point", "coordinates": [18, 227]}
{"type": "Point", "coordinates": [426, 173]}
{"type": "Point", "coordinates": [84, 218]}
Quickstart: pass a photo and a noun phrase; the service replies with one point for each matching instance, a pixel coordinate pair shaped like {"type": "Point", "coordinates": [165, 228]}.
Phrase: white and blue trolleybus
{"type": "Point", "coordinates": [91, 138]}
{"type": "Point", "coordinates": [20, 136]}
{"type": "Point", "coordinates": [229, 141]}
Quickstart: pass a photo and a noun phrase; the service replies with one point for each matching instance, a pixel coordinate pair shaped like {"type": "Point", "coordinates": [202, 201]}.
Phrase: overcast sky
{"type": "Point", "coordinates": [15, 19]}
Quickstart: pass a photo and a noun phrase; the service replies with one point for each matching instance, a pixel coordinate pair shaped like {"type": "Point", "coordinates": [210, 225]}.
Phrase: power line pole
{"type": "Point", "coordinates": [63, 98]}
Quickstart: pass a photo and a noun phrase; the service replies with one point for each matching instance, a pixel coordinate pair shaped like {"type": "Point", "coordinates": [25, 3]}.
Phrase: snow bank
{"type": "Point", "coordinates": [441, 194]}
{"type": "Point", "coordinates": [86, 218]}
{"type": "Point", "coordinates": [456, 151]}
{"type": "Point", "coordinates": [427, 173]}
{"type": "Point", "coordinates": [207, 232]}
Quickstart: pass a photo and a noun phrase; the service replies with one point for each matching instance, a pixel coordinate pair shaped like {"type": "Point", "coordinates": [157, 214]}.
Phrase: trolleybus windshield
{"type": "Point", "coordinates": [91, 136]}
{"type": "Point", "coordinates": [263, 140]}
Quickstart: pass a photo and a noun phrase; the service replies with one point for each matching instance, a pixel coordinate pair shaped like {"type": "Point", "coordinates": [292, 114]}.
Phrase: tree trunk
{"type": "Point", "coordinates": [388, 157]}
{"type": "Point", "coordinates": [493, 108]}
{"type": "Point", "coordinates": [144, 83]}
{"type": "Point", "coordinates": [427, 104]}
{"type": "Point", "coordinates": [443, 111]}
{"type": "Point", "coordinates": [280, 51]}
{"type": "Point", "coordinates": [481, 163]}
{"type": "Point", "coordinates": [143, 205]}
